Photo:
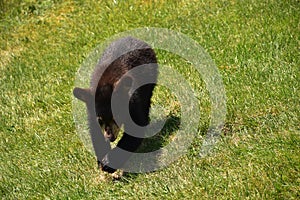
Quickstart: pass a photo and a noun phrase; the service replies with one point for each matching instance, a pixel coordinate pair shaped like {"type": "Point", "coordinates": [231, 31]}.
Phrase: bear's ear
{"type": "Point", "coordinates": [83, 94]}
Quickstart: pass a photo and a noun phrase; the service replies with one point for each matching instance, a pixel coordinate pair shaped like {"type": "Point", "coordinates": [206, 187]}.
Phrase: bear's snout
{"type": "Point", "coordinates": [109, 134]}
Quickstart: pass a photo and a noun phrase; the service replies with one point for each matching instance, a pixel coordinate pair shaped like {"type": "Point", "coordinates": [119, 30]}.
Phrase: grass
{"type": "Point", "coordinates": [255, 45]}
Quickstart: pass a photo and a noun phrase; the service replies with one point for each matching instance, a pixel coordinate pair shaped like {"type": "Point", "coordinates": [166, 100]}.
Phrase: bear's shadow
{"type": "Point", "coordinates": [160, 139]}
{"type": "Point", "coordinates": [156, 142]}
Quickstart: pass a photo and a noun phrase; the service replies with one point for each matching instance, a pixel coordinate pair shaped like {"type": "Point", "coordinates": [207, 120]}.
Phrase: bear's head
{"type": "Point", "coordinates": [102, 98]}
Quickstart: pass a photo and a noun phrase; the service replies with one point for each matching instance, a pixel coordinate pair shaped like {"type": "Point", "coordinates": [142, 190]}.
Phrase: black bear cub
{"type": "Point", "coordinates": [110, 76]}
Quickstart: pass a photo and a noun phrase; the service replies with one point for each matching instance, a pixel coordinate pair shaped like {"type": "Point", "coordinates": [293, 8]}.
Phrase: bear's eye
{"type": "Point", "coordinates": [100, 121]}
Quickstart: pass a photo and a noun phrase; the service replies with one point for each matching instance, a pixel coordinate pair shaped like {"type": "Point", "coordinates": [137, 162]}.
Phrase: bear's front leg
{"type": "Point", "coordinates": [118, 156]}
{"type": "Point", "coordinates": [104, 164]}
{"type": "Point", "coordinates": [114, 160]}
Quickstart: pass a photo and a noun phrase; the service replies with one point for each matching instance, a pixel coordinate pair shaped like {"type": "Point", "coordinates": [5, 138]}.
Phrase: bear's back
{"type": "Point", "coordinates": [119, 57]}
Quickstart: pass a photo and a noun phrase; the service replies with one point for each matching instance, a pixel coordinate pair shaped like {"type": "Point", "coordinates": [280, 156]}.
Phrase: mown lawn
{"type": "Point", "coordinates": [255, 45]}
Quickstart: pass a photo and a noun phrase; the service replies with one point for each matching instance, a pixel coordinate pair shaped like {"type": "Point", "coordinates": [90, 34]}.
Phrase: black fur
{"type": "Point", "coordinates": [113, 65]}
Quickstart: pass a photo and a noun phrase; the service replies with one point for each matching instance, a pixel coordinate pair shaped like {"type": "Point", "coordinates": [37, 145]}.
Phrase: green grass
{"type": "Point", "coordinates": [255, 45]}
